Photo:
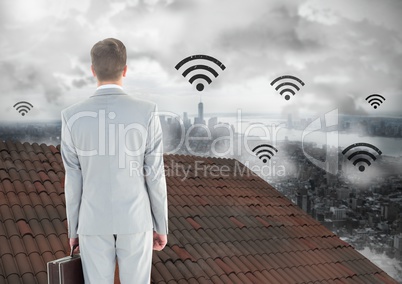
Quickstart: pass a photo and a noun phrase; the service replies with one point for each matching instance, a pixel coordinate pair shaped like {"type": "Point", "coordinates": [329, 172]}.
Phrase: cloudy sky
{"type": "Point", "coordinates": [342, 50]}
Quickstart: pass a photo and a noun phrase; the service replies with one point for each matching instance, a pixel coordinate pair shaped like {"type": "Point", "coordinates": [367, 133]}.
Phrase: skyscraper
{"type": "Point", "coordinates": [200, 111]}
{"type": "Point", "coordinates": [200, 118]}
{"type": "Point", "coordinates": [186, 120]}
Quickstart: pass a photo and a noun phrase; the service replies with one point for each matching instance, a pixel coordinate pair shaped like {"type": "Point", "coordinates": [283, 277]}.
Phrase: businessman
{"type": "Point", "coordinates": [114, 211]}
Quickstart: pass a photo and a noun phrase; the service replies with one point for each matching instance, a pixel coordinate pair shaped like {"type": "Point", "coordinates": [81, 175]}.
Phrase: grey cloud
{"type": "Point", "coordinates": [96, 9]}
{"type": "Point", "coordinates": [365, 53]}
{"type": "Point", "coordinates": [34, 66]}
{"type": "Point", "coordinates": [276, 28]}
{"type": "Point", "coordinates": [253, 39]}
{"type": "Point", "coordinates": [181, 6]}
{"type": "Point", "coordinates": [372, 62]}
{"type": "Point", "coordinates": [29, 78]}
{"type": "Point", "coordinates": [248, 49]}
{"type": "Point", "coordinates": [79, 83]}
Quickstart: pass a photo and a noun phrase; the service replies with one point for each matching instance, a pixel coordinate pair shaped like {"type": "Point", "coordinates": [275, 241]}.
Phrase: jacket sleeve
{"type": "Point", "coordinates": [155, 175]}
{"type": "Point", "coordinates": [73, 178]}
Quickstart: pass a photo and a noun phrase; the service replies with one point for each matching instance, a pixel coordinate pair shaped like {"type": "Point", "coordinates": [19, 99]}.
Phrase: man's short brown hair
{"type": "Point", "coordinates": [108, 59]}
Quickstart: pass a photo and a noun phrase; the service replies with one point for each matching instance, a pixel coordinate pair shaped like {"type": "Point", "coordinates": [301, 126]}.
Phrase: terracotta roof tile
{"type": "Point", "coordinates": [3, 146]}
{"type": "Point", "coordinates": [270, 276]}
{"type": "Point", "coordinates": [28, 278]}
{"type": "Point", "coordinates": [52, 158]}
{"type": "Point", "coordinates": [9, 199]}
{"type": "Point", "coordinates": [36, 227]}
{"type": "Point", "coordinates": [198, 270]}
{"type": "Point", "coordinates": [24, 228]}
{"type": "Point", "coordinates": [37, 263]}
{"type": "Point", "coordinates": [44, 177]}
{"type": "Point", "coordinates": [14, 156]}
{"type": "Point", "coordinates": [57, 167]}
{"type": "Point", "coordinates": [187, 270]}
{"type": "Point", "coordinates": [56, 244]}
{"type": "Point", "coordinates": [11, 145]}
{"type": "Point", "coordinates": [237, 222]}
{"type": "Point", "coordinates": [24, 157]}
{"type": "Point", "coordinates": [47, 167]}
{"type": "Point", "coordinates": [29, 166]}
{"type": "Point", "coordinates": [6, 213]}
{"type": "Point", "coordinates": [3, 197]}
{"type": "Point", "coordinates": [19, 147]}
{"type": "Point", "coordinates": [27, 147]}
{"type": "Point", "coordinates": [39, 165]}
{"type": "Point", "coordinates": [34, 177]}
{"type": "Point", "coordinates": [5, 247]}
{"type": "Point", "coordinates": [253, 279]}
{"type": "Point", "coordinates": [164, 272]}
{"type": "Point", "coordinates": [193, 223]}
{"type": "Point", "coordinates": [48, 256]}
{"type": "Point", "coordinates": [164, 255]}
{"type": "Point", "coordinates": [182, 253]}
{"type": "Point", "coordinates": [29, 213]}
{"type": "Point", "coordinates": [17, 245]}
{"type": "Point", "coordinates": [7, 186]}
{"type": "Point", "coordinates": [41, 276]}
{"type": "Point", "coordinates": [36, 148]}
{"type": "Point", "coordinates": [33, 157]}
{"type": "Point", "coordinates": [19, 164]}
{"type": "Point", "coordinates": [59, 186]}
{"type": "Point", "coordinates": [203, 266]}
{"type": "Point", "coordinates": [53, 177]}
{"type": "Point", "coordinates": [5, 156]}
{"type": "Point", "coordinates": [4, 175]}
{"type": "Point", "coordinates": [61, 209]}
{"type": "Point", "coordinates": [9, 265]}
{"type": "Point", "coordinates": [18, 213]}
{"type": "Point", "coordinates": [23, 176]}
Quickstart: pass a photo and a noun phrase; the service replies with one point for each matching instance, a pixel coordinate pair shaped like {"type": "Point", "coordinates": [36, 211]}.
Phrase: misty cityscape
{"type": "Point", "coordinates": [364, 209]}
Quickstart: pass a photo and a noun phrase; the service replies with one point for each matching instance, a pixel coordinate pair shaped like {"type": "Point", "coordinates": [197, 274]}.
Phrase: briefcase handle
{"type": "Point", "coordinates": [72, 250]}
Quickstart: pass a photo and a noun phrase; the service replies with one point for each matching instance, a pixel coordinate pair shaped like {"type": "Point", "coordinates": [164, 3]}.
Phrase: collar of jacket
{"type": "Point", "coordinates": [109, 91]}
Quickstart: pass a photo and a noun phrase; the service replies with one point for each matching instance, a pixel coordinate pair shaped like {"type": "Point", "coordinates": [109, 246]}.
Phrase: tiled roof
{"type": "Point", "coordinates": [32, 211]}
{"type": "Point", "coordinates": [227, 225]}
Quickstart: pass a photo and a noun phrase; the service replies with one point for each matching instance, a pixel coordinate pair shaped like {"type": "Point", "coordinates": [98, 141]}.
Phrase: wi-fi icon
{"type": "Point", "coordinates": [360, 157]}
{"type": "Point", "coordinates": [264, 152]}
{"type": "Point", "coordinates": [23, 107]}
{"type": "Point", "coordinates": [375, 100]}
{"type": "Point", "coordinates": [200, 76]}
{"type": "Point", "coordinates": [289, 86]}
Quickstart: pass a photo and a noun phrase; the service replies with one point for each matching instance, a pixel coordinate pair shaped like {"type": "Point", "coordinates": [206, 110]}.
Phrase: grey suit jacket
{"type": "Point", "coordinates": [111, 146]}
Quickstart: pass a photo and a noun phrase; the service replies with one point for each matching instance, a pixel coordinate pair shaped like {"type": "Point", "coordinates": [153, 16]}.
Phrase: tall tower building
{"type": "Point", "coordinates": [200, 111]}
{"type": "Point", "coordinates": [186, 120]}
{"type": "Point", "coordinates": [200, 118]}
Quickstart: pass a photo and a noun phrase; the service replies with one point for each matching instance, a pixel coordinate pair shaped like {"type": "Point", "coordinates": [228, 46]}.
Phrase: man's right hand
{"type": "Point", "coordinates": [74, 242]}
{"type": "Point", "coordinates": [159, 241]}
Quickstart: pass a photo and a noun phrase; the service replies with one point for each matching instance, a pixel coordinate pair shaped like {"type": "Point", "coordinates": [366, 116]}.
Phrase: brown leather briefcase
{"type": "Point", "coordinates": [66, 270]}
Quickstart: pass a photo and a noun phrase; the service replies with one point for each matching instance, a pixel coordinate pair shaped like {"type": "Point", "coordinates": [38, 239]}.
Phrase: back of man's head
{"type": "Point", "coordinates": [108, 59]}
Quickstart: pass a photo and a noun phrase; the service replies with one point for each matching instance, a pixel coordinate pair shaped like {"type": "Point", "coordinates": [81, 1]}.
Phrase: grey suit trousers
{"type": "Point", "coordinates": [132, 252]}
